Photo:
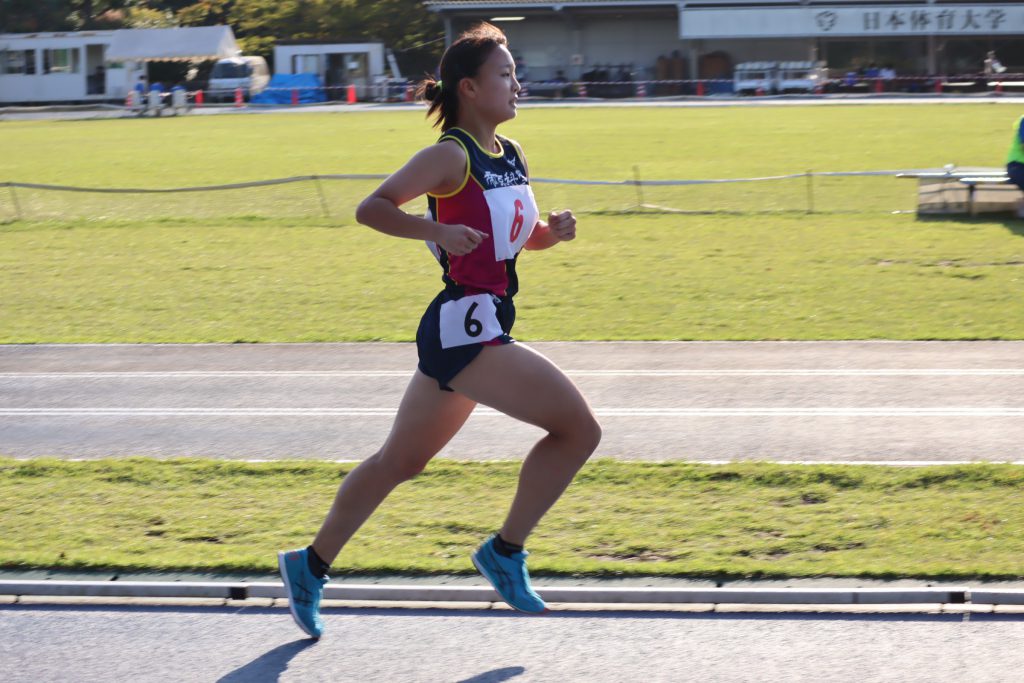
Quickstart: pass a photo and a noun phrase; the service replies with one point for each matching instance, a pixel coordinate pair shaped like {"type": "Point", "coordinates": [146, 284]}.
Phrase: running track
{"type": "Point", "coordinates": [702, 401]}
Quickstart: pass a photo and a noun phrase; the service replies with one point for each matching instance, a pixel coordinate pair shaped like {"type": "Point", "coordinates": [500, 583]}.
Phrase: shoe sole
{"type": "Point", "coordinates": [291, 600]}
{"type": "Point", "coordinates": [494, 584]}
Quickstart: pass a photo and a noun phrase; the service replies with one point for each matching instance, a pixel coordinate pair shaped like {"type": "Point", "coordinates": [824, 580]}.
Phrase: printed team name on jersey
{"type": "Point", "coordinates": [492, 180]}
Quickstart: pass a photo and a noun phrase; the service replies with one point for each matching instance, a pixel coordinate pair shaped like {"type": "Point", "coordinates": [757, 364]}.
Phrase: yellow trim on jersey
{"type": "Point", "coordinates": [464, 180]}
{"type": "Point", "coordinates": [493, 155]}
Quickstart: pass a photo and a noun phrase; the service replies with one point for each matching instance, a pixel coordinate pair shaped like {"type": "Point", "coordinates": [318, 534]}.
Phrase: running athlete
{"type": "Point", "coordinates": [481, 214]}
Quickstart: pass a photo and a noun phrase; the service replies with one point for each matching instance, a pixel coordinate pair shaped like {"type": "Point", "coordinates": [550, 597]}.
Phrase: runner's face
{"type": "Point", "coordinates": [497, 89]}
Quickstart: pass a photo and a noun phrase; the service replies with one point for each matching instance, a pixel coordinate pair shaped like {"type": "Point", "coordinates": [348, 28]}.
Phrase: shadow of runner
{"type": "Point", "coordinates": [270, 665]}
{"type": "Point", "coordinates": [496, 675]}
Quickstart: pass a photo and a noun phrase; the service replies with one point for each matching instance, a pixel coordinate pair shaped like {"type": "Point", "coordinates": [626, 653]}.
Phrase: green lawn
{"type": "Point", "coordinates": [726, 142]}
{"type": "Point", "coordinates": [618, 518]}
{"type": "Point", "coordinates": [288, 263]}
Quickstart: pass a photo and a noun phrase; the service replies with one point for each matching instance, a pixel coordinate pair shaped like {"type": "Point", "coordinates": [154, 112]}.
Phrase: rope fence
{"type": "Point", "coordinates": [335, 196]}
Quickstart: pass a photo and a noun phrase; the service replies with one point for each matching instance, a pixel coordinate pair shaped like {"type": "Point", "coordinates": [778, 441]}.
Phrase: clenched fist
{"type": "Point", "coordinates": [459, 240]}
{"type": "Point", "coordinates": [562, 225]}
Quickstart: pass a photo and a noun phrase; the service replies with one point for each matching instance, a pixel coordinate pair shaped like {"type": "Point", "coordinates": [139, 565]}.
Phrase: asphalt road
{"type": "Point", "coordinates": [55, 643]}
{"type": "Point", "coordinates": [706, 401]}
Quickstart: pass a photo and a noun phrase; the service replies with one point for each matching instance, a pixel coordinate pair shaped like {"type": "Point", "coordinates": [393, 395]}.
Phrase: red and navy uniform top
{"type": "Point", "coordinates": [495, 198]}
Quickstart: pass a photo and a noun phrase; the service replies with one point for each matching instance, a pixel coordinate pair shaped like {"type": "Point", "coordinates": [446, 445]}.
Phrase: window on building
{"type": "Point", "coordinates": [17, 62]}
{"type": "Point", "coordinates": [305, 64]}
{"type": "Point", "coordinates": [60, 61]}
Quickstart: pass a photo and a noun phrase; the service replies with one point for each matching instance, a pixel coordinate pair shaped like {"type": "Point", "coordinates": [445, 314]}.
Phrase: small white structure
{"type": "Point", "coordinates": [801, 76]}
{"type": "Point", "coordinates": [60, 67]}
{"type": "Point", "coordinates": [337, 64]}
{"type": "Point", "coordinates": [84, 66]}
{"type": "Point", "coordinates": [755, 78]}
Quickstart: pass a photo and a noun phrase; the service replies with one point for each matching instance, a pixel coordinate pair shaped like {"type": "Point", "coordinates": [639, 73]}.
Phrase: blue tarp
{"type": "Point", "coordinates": [279, 90]}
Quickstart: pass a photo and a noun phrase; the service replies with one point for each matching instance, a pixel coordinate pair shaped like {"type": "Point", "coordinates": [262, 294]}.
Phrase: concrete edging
{"type": "Point", "coordinates": [477, 594]}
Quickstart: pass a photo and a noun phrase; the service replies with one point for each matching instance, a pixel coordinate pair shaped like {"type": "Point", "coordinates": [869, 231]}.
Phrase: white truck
{"type": "Point", "coordinates": [806, 77]}
{"type": "Point", "coordinates": [248, 73]}
{"type": "Point", "coordinates": [755, 78]}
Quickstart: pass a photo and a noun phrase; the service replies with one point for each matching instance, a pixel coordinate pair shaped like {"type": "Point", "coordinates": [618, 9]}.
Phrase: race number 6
{"type": "Point", "coordinates": [469, 320]}
{"type": "Point", "coordinates": [473, 326]}
{"type": "Point", "coordinates": [517, 222]}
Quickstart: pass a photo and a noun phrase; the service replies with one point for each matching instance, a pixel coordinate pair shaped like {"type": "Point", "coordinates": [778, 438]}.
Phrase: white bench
{"type": "Point", "coordinates": [972, 183]}
{"type": "Point", "coordinates": [987, 190]}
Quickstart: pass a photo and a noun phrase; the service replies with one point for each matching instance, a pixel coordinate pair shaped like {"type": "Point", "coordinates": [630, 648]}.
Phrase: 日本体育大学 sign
{"type": "Point", "coordinates": [863, 21]}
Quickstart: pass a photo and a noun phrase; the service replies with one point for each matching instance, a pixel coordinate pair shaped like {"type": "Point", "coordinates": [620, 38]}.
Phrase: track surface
{"type": "Point", "coordinates": [706, 401]}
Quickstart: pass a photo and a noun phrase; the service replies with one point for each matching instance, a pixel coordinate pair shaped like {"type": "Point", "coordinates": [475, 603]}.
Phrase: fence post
{"type": "Point", "coordinates": [323, 200]}
{"type": "Point", "coordinates": [810, 191]}
{"type": "Point", "coordinates": [14, 200]}
{"type": "Point", "coordinates": [639, 187]}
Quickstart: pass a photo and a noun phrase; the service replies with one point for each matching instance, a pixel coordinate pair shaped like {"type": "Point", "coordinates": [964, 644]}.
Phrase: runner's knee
{"type": "Point", "coordinates": [583, 432]}
{"type": "Point", "coordinates": [591, 434]}
{"type": "Point", "coordinates": [399, 467]}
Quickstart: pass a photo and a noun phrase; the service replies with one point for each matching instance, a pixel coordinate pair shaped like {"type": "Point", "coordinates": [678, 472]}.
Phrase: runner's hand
{"type": "Point", "coordinates": [562, 225]}
{"type": "Point", "coordinates": [459, 240]}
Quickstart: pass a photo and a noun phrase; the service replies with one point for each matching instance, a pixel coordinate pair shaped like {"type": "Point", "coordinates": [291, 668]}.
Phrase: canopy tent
{"type": "Point", "coordinates": [172, 44]}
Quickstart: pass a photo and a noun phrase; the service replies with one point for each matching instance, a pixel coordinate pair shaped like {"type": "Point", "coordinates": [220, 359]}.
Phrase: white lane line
{"type": "Point", "coordinates": [753, 372]}
{"type": "Point", "coordinates": [965, 411]}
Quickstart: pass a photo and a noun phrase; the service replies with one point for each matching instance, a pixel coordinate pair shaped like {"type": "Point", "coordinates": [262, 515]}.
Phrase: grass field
{"type": "Point", "coordinates": [762, 269]}
{"type": "Point", "coordinates": [740, 520]}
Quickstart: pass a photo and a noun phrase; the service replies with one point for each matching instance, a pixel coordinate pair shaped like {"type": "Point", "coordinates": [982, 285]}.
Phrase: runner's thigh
{"type": "Point", "coordinates": [522, 383]}
{"type": "Point", "coordinates": [427, 420]}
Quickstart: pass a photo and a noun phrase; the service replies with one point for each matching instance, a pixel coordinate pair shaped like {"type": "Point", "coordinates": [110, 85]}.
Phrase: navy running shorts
{"type": "Point", "coordinates": [455, 328]}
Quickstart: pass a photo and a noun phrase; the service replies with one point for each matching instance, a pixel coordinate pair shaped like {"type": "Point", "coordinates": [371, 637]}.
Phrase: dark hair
{"type": "Point", "coordinates": [462, 59]}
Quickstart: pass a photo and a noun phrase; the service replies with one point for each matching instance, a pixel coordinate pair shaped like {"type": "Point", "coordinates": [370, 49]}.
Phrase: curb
{"type": "Point", "coordinates": [957, 595]}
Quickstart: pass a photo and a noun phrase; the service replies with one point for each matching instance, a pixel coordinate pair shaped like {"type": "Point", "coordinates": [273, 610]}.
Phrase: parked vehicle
{"type": "Point", "coordinates": [806, 77]}
{"type": "Point", "coordinates": [753, 78]}
{"type": "Point", "coordinates": [251, 74]}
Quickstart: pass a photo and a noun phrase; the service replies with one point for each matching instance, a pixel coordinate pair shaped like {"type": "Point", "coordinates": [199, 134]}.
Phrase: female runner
{"type": "Point", "coordinates": [481, 214]}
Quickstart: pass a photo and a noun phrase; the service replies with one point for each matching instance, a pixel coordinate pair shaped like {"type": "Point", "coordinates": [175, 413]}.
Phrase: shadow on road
{"type": "Point", "coordinates": [270, 665]}
{"type": "Point", "coordinates": [753, 615]}
{"type": "Point", "coordinates": [496, 675]}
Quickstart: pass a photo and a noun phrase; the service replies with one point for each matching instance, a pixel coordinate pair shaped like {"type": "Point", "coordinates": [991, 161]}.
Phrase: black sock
{"type": "Point", "coordinates": [505, 548]}
{"type": "Point", "coordinates": [316, 565]}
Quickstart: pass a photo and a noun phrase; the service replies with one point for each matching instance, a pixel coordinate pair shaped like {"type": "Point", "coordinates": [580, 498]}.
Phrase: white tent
{"type": "Point", "coordinates": [172, 44]}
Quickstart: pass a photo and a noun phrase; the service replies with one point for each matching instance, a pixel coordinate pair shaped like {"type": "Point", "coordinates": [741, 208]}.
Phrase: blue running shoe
{"type": "Point", "coordinates": [304, 590]}
{"type": "Point", "coordinates": [509, 577]}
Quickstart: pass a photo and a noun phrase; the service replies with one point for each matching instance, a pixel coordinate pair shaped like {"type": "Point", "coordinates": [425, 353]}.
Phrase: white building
{"type": "Point", "coordinates": [98, 66]}
{"type": "Point", "coordinates": [337, 64]}
{"type": "Point", "coordinates": [915, 36]}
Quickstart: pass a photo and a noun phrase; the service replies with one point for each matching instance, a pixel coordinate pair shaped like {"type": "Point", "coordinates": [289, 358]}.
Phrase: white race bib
{"type": "Point", "coordinates": [513, 215]}
{"type": "Point", "coordinates": [469, 320]}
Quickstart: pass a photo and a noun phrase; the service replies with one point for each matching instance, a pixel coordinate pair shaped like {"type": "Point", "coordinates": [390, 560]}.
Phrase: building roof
{"type": "Point", "coordinates": [438, 5]}
{"type": "Point", "coordinates": [534, 4]}
{"type": "Point", "coordinates": [173, 44]}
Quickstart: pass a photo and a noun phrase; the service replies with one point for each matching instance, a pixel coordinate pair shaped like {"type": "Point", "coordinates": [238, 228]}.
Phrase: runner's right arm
{"type": "Point", "coordinates": [438, 169]}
